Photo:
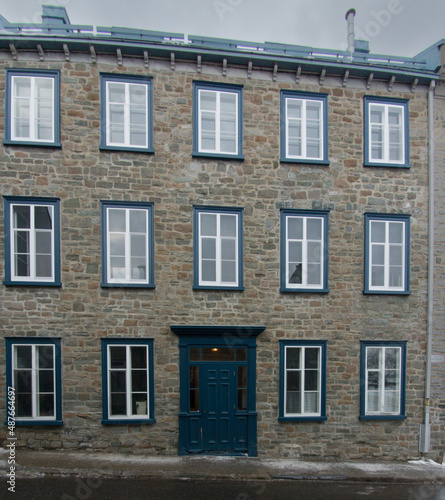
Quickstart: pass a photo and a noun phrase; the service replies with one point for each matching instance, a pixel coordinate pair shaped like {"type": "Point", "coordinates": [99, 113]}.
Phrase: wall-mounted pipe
{"type": "Point", "coordinates": [350, 15]}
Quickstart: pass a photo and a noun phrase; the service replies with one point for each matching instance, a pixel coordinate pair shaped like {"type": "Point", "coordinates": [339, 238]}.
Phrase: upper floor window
{"type": "Point", "coordinates": [302, 380]}
{"type": "Point", "coordinates": [386, 132]}
{"type": "Point", "coordinates": [32, 241]}
{"type": "Point", "coordinates": [32, 107]}
{"type": "Point", "coordinates": [304, 250]}
{"type": "Point", "coordinates": [382, 391]}
{"type": "Point", "coordinates": [387, 239]}
{"type": "Point", "coordinates": [126, 113]}
{"type": "Point", "coordinates": [127, 244]}
{"type": "Point", "coordinates": [127, 381]}
{"type": "Point", "coordinates": [33, 370]}
{"type": "Point", "coordinates": [217, 120]}
{"type": "Point", "coordinates": [218, 248]}
{"type": "Point", "coordinates": [304, 127]}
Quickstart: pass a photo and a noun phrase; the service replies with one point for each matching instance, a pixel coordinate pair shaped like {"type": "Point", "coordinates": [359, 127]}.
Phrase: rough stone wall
{"type": "Point", "coordinates": [81, 312]}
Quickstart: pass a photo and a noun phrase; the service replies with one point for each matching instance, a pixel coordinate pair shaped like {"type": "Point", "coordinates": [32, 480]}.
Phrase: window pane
{"type": "Point", "coordinates": [228, 272]}
{"type": "Point", "coordinates": [46, 405]}
{"type": "Point", "coordinates": [138, 356]}
{"type": "Point", "coordinates": [313, 110]}
{"type": "Point", "coordinates": [313, 252]}
{"type": "Point", "coordinates": [294, 107]}
{"type": "Point", "coordinates": [207, 100]}
{"type": "Point", "coordinates": [396, 232]}
{"type": "Point", "coordinates": [139, 380]}
{"type": "Point", "coordinates": [24, 404]}
{"type": "Point", "coordinates": [242, 376]}
{"type": "Point", "coordinates": [295, 274]}
{"type": "Point", "coordinates": [22, 86]}
{"type": "Point", "coordinates": [138, 245]}
{"type": "Point", "coordinates": [22, 242]}
{"type": "Point", "coordinates": [228, 225]}
{"type": "Point", "coordinates": [194, 400]}
{"type": "Point", "coordinates": [43, 242]}
{"type": "Point", "coordinates": [378, 254]}
{"type": "Point", "coordinates": [116, 220]}
{"type": "Point", "coordinates": [373, 357]}
{"type": "Point", "coordinates": [42, 217]}
{"type": "Point", "coordinates": [117, 244]}
{"type": "Point", "coordinates": [373, 380]}
{"type": "Point", "coordinates": [138, 94]}
{"type": "Point", "coordinates": [43, 266]}
{"type": "Point", "coordinates": [118, 357]}
{"type": "Point", "coordinates": [23, 381]}
{"type": "Point", "coordinates": [208, 270]}
{"type": "Point", "coordinates": [241, 354]}
{"type": "Point", "coordinates": [117, 381]}
{"type": "Point", "coordinates": [310, 380]}
{"type": "Point", "coordinates": [377, 276]}
{"type": "Point", "coordinates": [208, 248]}
{"type": "Point", "coordinates": [373, 401]}
{"type": "Point", "coordinates": [208, 224]}
{"type": "Point", "coordinates": [22, 267]}
{"type": "Point", "coordinates": [293, 380]}
{"type": "Point", "coordinates": [139, 404]}
{"type": "Point", "coordinates": [313, 274]}
{"type": "Point", "coordinates": [117, 268]}
{"type": "Point", "coordinates": [295, 228]}
{"type": "Point", "coordinates": [314, 229]}
{"type": "Point", "coordinates": [295, 251]}
{"type": "Point", "coordinates": [138, 221]}
{"type": "Point", "coordinates": [116, 92]}
{"type": "Point", "coordinates": [378, 232]}
{"type": "Point", "coordinates": [311, 357]}
{"type": "Point", "coordinates": [313, 150]}
{"type": "Point", "coordinates": [242, 400]}
{"type": "Point", "coordinates": [395, 276]}
{"type": "Point", "coordinates": [194, 377]}
{"type": "Point", "coordinates": [45, 356]}
{"type": "Point", "coordinates": [218, 354]}
{"type": "Point", "coordinates": [293, 402]}
{"type": "Point", "coordinates": [21, 216]}
{"type": "Point", "coordinates": [228, 102]}
{"type": "Point", "coordinates": [23, 356]}
{"type": "Point", "coordinates": [138, 268]}
{"type": "Point", "coordinates": [118, 404]}
{"type": "Point", "coordinates": [392, 358]}
{"type": "Point", "coordinates": [391, 402]}
{"type": "Point", "coordinates": [46, 381]}
{"type": "Point", "coordinates": [228, 249]}
{"type": "Point", "coordinates": [311, 402]}
{"type": "Point", "coordinates": [293, 357]}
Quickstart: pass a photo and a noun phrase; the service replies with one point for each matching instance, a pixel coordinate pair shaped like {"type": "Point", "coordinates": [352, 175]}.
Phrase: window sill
{"type": "Point", "coordinates": [128, 421]}
{"type": "Point", "coordinates": [127, 149]}
{"type": "Point", "coordinates": [196, 154]}
{"type": "Point", "coordinates": [57, 145]}
{"type": "Point", "coordinates": [386, 292]}
{"type": "Point", "coordinates": [382, 417]}
{"type": "Point", "coordinates": [387, 165]}
{"type": "Point", "coordinates": [23, 423]}
{"type": "Point", "coordinates": [302, 419]}
{"type": "Point", "coordinates": [219, 287]}
{"type": "Point", "coordinates": [305, 161]}
{"type": "Point", "coordinates": [33, 283]}
{"type": "Point", "coordinates": [305, 290]}
{"type": "Point", "coordinates": [127, 285]}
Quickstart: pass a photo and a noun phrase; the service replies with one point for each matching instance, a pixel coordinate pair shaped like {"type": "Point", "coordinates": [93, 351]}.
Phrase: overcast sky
{"type": "Point", "coordinates": [393, 27]}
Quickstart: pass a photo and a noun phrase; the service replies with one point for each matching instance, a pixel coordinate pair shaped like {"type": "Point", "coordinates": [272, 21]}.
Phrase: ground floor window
{"type": "Point", "coordinates": [127, 377]}
{"type": "Point", "coordinates": [33, 372]}
{"type": "Point", "coordinates": [302, 380]}
{"type": "Point", "coordinates": [383, 366]}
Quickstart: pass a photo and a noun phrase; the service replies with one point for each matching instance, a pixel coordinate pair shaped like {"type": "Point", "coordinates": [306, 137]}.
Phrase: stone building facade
{"type": "Point", "coordinates": [328, 364]}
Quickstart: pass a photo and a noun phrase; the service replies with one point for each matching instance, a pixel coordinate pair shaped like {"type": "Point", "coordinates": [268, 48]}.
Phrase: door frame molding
{"type": "Point", "coordinates": [229, 336]}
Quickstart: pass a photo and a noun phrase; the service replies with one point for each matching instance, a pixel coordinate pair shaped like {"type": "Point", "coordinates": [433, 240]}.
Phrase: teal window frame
{"type": "Point", "coordinates": [126, 81]}
{"type": "Point", "coordinates": [321, 345]}
{"type": "Point", "coordinates": [132, 418]}
{"type": "Point", "coordinates": [218, 89]}
{"type": "Point", "coordinates": [31, 201]}
{"type": "Point", "coordinates": [382, 369]}
{"type": "Point", "coordinates": [386, 104]}
{"type": "Point", "coordinates": [305, 98]}
{"type": "Point", "coordinates": [32, 140]}
{"type": "Point", "coordinates": [34, 373]}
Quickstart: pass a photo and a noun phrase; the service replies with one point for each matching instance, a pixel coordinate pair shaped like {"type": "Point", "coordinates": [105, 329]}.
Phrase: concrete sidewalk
{"type": "Point", "coordinates": [91, 464]}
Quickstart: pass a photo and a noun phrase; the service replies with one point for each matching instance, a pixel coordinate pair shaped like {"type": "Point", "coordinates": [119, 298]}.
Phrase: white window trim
{"type": "Point", "coordinates": [128, 234]}
{"type": "Point", "coordinates": [32, 99]}
{"type": "Point", "coordinates": [304, 241]}
{"type": "Point", "coordinates": [217, 113]}
{"type": "Point", "coordinates": [34, 369]}
{"type": "Point", "coordinates": [304, 155]}
{"type": "Point", "coordinates": [381, 370]}
{"type": "Point", "coordinates": [386, 265]}
{"type": "Point", "coordinates": [302, 381]}
{"type": "Point", "coordinates": [218, 246]}
{"type": "Point", "coordinates": [32, 244]}
{"type": "Point", "coordinates": [128, 391]}
{"type": "Point", "coordinates": [127, 141]}
{"type": "Point", "coordinates": [386, 129]}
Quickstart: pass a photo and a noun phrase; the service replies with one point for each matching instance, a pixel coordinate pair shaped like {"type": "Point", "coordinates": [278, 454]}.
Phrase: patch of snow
{"type": "Point", "coordinates": [425, 462]}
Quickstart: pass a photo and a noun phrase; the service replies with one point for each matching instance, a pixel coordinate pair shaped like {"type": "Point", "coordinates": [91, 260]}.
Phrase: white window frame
{"type": "Point", "coordinates": [302, 380]}
{"type": "Point", "coordinates": [32, 244]}
{"type": "Point", "coordinates": [381, 384]}
{"type": "Point", "coordinates": [127, 236]}
{"type": "Point", "coordinates": [387, 245]}
{"type": "Point", "coordinates": [218, 245]}
{"type": "Point", "coordinates": [34, 379]}
{"type": "Point", "coordinates": [304, 125]}
{"type": "Point", "coordinates": [218, 117]}
{"type": "Point", "coordinates": [126, 106]}
{"type": "Point", "coordinates": [128, 390]}
{"type": "Point", "coordinates": [305, 242]}
{"type": "Point", "coordinates": [33, 116]}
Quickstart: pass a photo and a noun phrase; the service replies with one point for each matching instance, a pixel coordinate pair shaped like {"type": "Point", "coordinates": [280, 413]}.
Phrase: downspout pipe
{"type": "Point", "coordinates": [424, 444]}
